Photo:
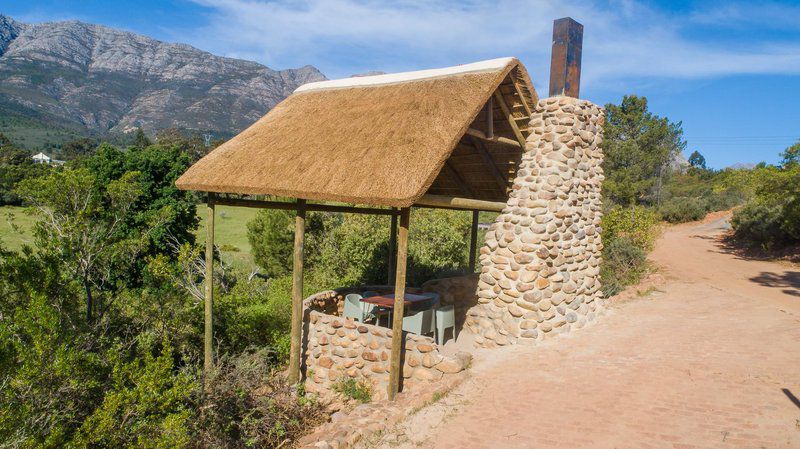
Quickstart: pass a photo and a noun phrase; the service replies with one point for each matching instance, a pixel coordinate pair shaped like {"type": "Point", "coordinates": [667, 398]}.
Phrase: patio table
{"type": "Point", "coordinates": [388, 300]}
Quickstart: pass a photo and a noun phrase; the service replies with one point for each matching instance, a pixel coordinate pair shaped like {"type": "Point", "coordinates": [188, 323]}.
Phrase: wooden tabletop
{"type": "Point", "coordinates": [388, 300]}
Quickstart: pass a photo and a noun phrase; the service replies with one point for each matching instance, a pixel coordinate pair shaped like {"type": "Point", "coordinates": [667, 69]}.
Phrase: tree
{"type": "Point", "coordinates": [140, 139]}
{"type": "Point", "coordinates": [78, 148]}
{"type": "Point", "coordinates": [351, 249]}
{"type": "Point", "coordinates": [697, 160]}
{"type": "Point", "coordinates": [638, 147]}
{"type": "Point", "coordinates": [271, 236]}
{"type": "Point", "coordinates": [15, 165]}
{"type": "Point", "coordinates": [80, 226]}
{"type": "Point", "coordinates": [194, 144]}
{"type": "Point", "coordinates": [159, 167]}
{"type": "Point", "coordinates": [791, 155]}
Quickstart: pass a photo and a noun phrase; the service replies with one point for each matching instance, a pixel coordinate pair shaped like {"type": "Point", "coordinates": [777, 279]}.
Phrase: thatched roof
{"type": "Point", "coordinates": [381, 140]}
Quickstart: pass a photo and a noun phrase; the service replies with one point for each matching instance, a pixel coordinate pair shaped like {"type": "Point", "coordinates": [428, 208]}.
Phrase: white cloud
{"type": "Point", "coordinates": [623, 40]}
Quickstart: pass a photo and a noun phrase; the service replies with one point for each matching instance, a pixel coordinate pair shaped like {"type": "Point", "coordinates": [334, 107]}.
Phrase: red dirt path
{"type": "Point", "coordinates": [713, 361]}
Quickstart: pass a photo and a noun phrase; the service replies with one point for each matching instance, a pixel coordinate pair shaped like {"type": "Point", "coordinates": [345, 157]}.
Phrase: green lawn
{"type": "Point", "coordinates": [230, 233]}
{"type": "Point", "coordinates": [15, 227]}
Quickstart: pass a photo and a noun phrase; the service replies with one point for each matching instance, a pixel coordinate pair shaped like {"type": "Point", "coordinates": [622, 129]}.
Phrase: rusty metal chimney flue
{"type": "Point", "coordinates": [565, 62]}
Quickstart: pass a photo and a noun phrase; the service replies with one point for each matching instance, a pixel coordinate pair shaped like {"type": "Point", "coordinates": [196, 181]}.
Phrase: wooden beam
{"type": "Point", "coordinates": [450, 202]}
{"type": "Point", "coordinates": [507, 112]}
{"type": "Point", "coordinates": [285, 205]}
{"type": "Point", "coordinates": [396, 359]}
{"type": "Point", "coordinates": [208, 332]}
{"type": "Point", "coordinates": [490, 118]}
{"type": "Point", "coordinates": [473, 240]}
{"type": "Point", "coordinates": [297, 293]}
{"type": "Point", "coordinates": [392, 246]}
{"type": "Point", "coordinates": [502, 181]}
{"type": "Point", "coordinates": [496, 139]}
{"type": "Point", "coordinates": [465, 188]}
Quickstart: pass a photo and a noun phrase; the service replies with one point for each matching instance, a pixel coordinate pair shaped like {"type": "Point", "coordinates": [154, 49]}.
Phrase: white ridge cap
{"type": "Point", "coordinates": [361, 81]}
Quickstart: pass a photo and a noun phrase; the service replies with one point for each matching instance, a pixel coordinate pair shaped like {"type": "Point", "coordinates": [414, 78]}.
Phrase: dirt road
{"type": "Point", "coordinates": [712, 361]}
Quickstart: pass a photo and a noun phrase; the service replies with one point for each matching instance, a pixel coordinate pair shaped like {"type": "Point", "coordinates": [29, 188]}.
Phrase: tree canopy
{"type": "Point", "coordinates": [638, 147]}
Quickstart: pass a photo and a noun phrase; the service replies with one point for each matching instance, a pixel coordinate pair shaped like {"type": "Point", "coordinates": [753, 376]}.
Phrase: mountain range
{"type": "Point", "coordinates": [96, 80]}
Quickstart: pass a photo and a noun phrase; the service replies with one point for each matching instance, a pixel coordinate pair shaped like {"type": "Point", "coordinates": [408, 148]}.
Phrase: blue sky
{"type": "Point", "coordinates": [730, 71]}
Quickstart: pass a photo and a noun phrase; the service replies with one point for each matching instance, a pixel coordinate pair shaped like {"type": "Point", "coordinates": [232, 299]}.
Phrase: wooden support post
{"type": "Point", "coordinates": [399, 301]}
{"type": "Point", "coordinates": [208, 335]}
{"type": "Point", "coordinates": [565, 61]}
{"type": "Point", "coordinates": [297, 293]}
{"type": "Point", "coordinates": [392, 246]}
{"type": "Point", "coordinates": [473, 240]}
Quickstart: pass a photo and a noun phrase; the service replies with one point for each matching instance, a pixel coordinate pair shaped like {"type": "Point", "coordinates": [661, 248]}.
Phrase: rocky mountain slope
{"type": "Point", "coordinates": [106, 81]}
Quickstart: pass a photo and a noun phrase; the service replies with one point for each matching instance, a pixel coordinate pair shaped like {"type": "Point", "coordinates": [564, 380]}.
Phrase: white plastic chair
{"type": "Point", "coordinates": [420, 323]}
{"type": "Point", "coordinates": [445, 318]}
{"type": "Point", "coordinates": [353, 307]}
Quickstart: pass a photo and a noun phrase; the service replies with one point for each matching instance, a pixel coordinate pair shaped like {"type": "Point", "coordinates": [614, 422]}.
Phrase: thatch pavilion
{"type": "Point", "coordinates": [447, 138]}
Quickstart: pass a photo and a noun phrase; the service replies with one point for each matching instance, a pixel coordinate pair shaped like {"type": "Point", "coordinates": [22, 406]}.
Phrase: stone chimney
{"type": "Point", "coordinates": [540, 263]}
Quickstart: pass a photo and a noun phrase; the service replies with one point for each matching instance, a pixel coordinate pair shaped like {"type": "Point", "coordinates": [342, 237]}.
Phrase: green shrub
{"type": "Point", "coordinates": [229, 248]}
{"type": "Point", "coordinates": [624, 263]}
{"type": "Point", "coordinates": [638, 224]}
{"type": "Point", "coordinates": [360, 391]}
{"type": "Point", "coordinates": [271, 237]}
{"type": "Point", "coordinates": [681, 210]}
{"type": "Point", "coordinates": [725, 199]}
{"type": "Point", "coordinates": [761, 224]}
{"type": "Point", "coordinates": [628, 234]}
{"type": "Point", "coordinates": [772, 218]}
{"type": "Point", "coordinates": [149, 405]}
{"type": "Point", "coordinates": [257, 313]}
{"type": "Point", "coordinates": [250, 405]}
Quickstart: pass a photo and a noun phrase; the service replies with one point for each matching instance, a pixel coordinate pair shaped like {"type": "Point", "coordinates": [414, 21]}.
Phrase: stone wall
{"type": "Point", "coordinates": [337, 348]}
{"type": "Point", "coordinates": [540, 264]}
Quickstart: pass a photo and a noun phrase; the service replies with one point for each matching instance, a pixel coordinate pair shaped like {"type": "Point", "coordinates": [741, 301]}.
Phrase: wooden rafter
{"type": "Point", "coordinates": [490, 118]}
{"type": "Point", "coordinates": [501, 180]}
{"type": "Point", "coordinates": [522, 99]}
{"type": "Point", "coordinates": [510, 117]}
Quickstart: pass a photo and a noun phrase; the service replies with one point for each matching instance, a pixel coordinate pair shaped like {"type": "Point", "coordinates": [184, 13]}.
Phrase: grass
{"type": "Point", "coordinates": [15, 227]}
{"type": "Point", "coordinates": [230, 232]}
{"type": "Point", "coordinates": [360, 391]}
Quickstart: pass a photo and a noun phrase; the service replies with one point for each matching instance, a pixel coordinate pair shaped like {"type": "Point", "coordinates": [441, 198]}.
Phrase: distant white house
{"type": "Point", "coordinates": [41, 158]}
